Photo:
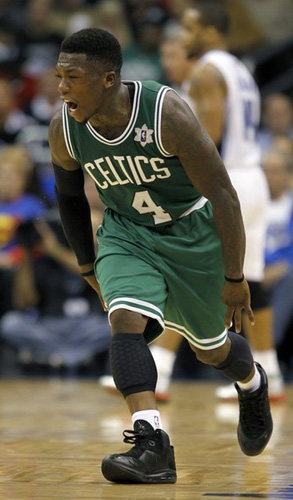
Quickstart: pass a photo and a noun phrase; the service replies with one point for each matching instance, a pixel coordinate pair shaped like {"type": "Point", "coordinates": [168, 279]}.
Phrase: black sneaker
{"type": "Point", "coordinates": [150, 460]}
{"type": "Point", "coordinates": [255, 421]}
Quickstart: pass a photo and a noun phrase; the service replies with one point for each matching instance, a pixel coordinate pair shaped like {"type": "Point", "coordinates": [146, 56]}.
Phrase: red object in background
{"type": "Point", "coordinates": [26, 91]}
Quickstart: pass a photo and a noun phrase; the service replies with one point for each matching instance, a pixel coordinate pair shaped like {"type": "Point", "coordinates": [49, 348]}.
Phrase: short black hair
{"type": "Point", "coordinates": [213, 14]}
{"type": "Point", "coordinates": [98, 45]}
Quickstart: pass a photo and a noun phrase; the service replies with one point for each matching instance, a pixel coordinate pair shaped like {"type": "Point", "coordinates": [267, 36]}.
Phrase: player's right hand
{"type": "Point", "coordinates": [236, 296]}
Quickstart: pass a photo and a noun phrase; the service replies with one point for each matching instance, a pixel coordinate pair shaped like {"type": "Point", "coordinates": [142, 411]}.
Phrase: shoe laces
{"type": "Point", "coordinates": [137, 438]}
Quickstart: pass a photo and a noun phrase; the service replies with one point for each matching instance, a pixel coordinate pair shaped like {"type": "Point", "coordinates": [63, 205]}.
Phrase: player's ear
{"type": "Point", "coordinates": [110, 79]}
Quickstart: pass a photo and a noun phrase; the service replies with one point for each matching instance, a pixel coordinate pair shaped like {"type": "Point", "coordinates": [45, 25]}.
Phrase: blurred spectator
{"type": "Point", "coordinates": [284, 145]}
{"type": "Point", "coordinates": [274, 18]}
{"type": "Point", "coordinates": [142, 58]}
{"type": "Point", "coordinates": [176, 7]}
{"type": "Point", "coordinates": [72, 15]}
{"type": "Point", "coordinates": [11, 17]}
{"type": "Point", "coordinates": [34, 136]}
{"type": "Point", "coordinates": [57, 319]}
{"type": "Point", "coordinates": [253, 23]}
{"type": "Point", "coordinates": [279, 241]}
{"type": "Point", "coordinates": [175, 63]}
{"type": "Point", "coordinates": [46, 100]}
{"type": "Point", "coordinates": [15, 206]}
{"type": "Point", "coordinates": [12, 118]}
{"type": "Point", "coordinates": [111, 15]}
{"type": "Point", "coordinates": [39, 42]}
{"type": "Point", "coordinates": [246, 33]}
{"type": "Point", "coordinates": [277, 120]}
{"type": "Point", "coordinates": [9, 52]}
{"type": "Point", "coordinates": [279, 245]}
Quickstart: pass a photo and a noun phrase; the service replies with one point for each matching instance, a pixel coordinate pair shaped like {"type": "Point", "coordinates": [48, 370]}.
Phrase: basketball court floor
{"type": "Point", "coordinates": [54, 434]}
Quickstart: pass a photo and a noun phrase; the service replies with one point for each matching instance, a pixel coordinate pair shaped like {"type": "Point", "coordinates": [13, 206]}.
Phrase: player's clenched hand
{"type": "Point", "coordinates": [236, 297]}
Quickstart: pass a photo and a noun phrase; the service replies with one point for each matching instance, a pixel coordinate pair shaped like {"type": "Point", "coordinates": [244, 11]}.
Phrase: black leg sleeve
{"type": "Point", "coordinates": [239, 362]}
{"type": "Point", "coordinates": [132, 364]}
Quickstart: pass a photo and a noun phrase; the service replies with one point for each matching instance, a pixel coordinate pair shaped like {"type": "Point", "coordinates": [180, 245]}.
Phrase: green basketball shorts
{"type": "Point", "coordinates": [171, 273]}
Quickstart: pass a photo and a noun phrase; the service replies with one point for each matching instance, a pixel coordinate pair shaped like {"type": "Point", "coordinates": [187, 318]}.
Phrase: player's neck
{"type": "Point", "coordinates": [113, 121]}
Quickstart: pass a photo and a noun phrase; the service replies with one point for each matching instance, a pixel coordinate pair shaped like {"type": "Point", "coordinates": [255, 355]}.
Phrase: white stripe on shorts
{"type": "Point", "coordinates": [204, 344]}
{"type": "Point", "coordinates": [136, 305]}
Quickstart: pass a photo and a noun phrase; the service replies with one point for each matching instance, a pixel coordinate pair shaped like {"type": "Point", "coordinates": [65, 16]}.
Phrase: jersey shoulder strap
{"type": "Point", "coordinates": [153, 95]}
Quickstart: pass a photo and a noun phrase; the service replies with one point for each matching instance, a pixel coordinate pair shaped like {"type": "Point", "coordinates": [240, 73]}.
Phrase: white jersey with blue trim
{"type": "Point", "coordinates": [239, 146]}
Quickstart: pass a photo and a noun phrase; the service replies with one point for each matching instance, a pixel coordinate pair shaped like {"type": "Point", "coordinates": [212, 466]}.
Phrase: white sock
{"type": "Point", "coordinates": [253, 384]}
{"type": "Point", "coordinates": [269, 360]}
{"type": "Point", "coordinates": [164, 359]}
{"type": "Point", "coordinates": [153, 417]}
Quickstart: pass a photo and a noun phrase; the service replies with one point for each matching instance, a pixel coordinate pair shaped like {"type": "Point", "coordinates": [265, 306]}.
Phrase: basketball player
{"type": "Point", "coordinates": [227, 104]}
{"type": "Point", "coordinates": [171, 244]}
{"type": "Point", "coordinates": [177, 68]}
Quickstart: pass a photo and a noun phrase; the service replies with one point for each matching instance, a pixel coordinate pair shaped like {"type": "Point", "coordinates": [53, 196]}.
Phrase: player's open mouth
{"type": "Point", "coordinates": [71, 106]}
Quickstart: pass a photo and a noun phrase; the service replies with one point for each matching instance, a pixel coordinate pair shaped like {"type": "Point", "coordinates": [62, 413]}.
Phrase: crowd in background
{"type": "Point", "coordinates": [48, 314]}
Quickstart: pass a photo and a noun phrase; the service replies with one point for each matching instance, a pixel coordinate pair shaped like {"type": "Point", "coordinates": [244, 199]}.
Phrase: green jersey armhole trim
{"type": "Point", "coordinates": [158, 121]}
{"type": "Point", "coordinates": [66, 132]}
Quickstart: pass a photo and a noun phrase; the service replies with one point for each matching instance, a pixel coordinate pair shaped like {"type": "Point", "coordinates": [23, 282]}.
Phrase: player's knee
{"type": "Point", "coordinates": [123, 320]}
{"type": "Point", "coordinates": [212, 356]}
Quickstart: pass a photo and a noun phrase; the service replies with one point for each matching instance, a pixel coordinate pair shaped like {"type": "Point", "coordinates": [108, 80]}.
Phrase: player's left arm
{"type": "Point", "coordinates": [73, 204]}
{"type": "Point", "coordinates": [183, 136]}
{"type": "Point", "coordinates": [208, 91]}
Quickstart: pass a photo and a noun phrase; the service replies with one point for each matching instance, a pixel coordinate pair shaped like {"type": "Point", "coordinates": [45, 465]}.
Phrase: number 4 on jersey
{"type": "Point", "coordinates": [143, 203]}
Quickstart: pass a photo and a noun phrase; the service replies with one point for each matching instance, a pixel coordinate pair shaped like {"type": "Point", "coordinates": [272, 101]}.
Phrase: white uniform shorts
{"type": "Point", "coordinates": [252, 189]}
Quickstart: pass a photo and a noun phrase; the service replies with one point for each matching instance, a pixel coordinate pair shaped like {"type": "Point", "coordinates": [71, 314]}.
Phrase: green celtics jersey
{"type": "Point", "coordinates": [134, 174]}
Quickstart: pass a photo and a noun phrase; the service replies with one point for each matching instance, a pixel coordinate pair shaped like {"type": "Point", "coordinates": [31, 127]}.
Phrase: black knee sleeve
{"type": "Point", "coordinates": [258, 295]}
{"type": "Point", "coordinates": [239, 362]}
{"type": "Point", "coordinates": [132, 364]}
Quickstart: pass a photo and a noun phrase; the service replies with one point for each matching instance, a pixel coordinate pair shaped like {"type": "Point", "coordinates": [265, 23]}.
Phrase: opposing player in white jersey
{"type": "Point", "coordinates": [227, 103]}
